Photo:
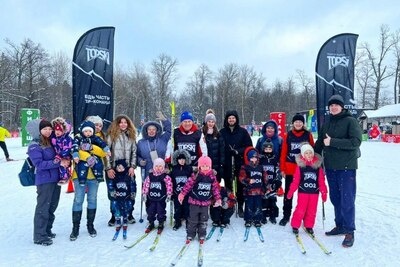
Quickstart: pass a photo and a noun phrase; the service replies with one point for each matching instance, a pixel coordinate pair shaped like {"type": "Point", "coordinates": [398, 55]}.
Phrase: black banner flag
{"type": "Point", "coordinates": [92, 76]}
{"type": "Point", "coordinates": [334, 73]}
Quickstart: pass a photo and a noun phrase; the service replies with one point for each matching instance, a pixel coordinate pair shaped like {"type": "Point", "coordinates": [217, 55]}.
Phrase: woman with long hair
{"type": "Point", "coordinates": [121, 138]}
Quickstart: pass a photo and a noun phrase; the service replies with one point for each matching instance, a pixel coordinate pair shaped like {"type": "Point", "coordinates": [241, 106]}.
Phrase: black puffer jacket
{"type": "Point", "coordinates": [216, 151]}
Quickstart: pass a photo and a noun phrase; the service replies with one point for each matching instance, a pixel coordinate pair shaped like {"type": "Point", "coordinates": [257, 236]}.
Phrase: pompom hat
{"type": "Point", "coordinates": [210, 117]}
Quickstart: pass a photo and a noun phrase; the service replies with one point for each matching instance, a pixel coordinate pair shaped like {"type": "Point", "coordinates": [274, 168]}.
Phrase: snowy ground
{"type": "Point", "coordinates": [376, 238]}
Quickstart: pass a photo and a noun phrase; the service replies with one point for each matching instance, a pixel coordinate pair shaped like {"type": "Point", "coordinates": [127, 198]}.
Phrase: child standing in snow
{"type": "Point", "coordinates": [253, 178]}
{"type": "Point", "coordinates": [221, 215]}
{"type": "Point", "coordinates": [123, 192]}
{"type": "Point", "coordinates": [85, 141]}
{"type": "Point", "coordinates": [269, 161]}
{"type": "Point", "coordinates": [181, 171]}
{"type": "Point", "coordinates": [157, 190]}
{"type": "Point", "coordinates": [200, 188]}
{"type": "Point", "coordinates": [309, 179]}
{"type": "Point", "coordinates": [62, 144]}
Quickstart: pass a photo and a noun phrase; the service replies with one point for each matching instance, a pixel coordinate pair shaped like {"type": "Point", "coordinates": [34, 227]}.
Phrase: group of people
{"type": "Point", "coordinates": [201, 170]}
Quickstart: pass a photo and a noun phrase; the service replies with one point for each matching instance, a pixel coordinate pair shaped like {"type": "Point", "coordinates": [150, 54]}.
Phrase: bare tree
{"type": "Point", "coordinates": [164, 70]}
{"type": "Point", "coordinates": [378, 65]}
{"type": "Point", "coordinates": [30, 62]}
{"type": "Point", "coordinates": [396, 87]}
{"type": "Point", "coordinates": [364, 79]}
{"type": "Point", "coordinates": [59, 80]}
{"type": "Point", "coordinates": [197, 87]}
{"type": "Point", "coordinates": [307, 86]}
{"type": "Point", "coordinates": [227, 88]}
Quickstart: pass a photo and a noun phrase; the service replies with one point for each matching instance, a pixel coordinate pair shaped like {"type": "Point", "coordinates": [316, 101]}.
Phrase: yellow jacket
{"type": "Point", "coordinates": [4, 133]}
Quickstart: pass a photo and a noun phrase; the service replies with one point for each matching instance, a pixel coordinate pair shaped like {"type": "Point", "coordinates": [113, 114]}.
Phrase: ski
{"type": "Point", "coordinates": [155, 242]}
{"type": "Point", "coordinates": [138, 240]}
{"type": "Point", "coordinates": [260, 235]}
{"type": "Point", "coordinates": [246, 234]}
{"type": "Point", "coordinates": [200, 254]}
{"type": "Point", "coordinates": [221, 232]}
{"type": "Point", "coordinates": [116, 235]}
{"type": "Point", "coordinates": [211, 232]}
{"type": "Point", "coordinates": [320, 245]}
{"type": "Point", "coordinates": [124, 233]}
{"type": "Point", "coordinates": [300, 243]}
{"type": "Point", "coordinates": [181, 252]}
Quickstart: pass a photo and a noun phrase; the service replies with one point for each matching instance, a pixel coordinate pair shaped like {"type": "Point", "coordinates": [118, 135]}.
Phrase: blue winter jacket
{"type": "Point", "coordinates": [157, 143]}
{"type": "Point", "coordinates": [43, 159]}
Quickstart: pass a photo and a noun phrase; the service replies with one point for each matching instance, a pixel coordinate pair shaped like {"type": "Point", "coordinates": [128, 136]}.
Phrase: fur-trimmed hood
{"type": "Point", "coordinates": [315, 163]}
{"type": "Point", "coordinates": [179, 152]}
{"type": "Point", "coordinates": [64, 124]}
{"type": "Point", "coordinates": [151, 123]}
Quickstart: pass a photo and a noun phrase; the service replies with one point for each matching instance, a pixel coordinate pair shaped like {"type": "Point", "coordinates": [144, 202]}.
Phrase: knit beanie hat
{"type": "Point", "coordinates": [251, 154]}
{"type": "Point", "coordinates": [298, 117]}
{"type": "Point", "coordinates": [336, 99]}
{"type": "Point", "coordinates": [43, 124]}
{"type": "Point", "coordinates": [186, 115]}
{"type": "Point", "coordinates": [159, 162]}
{"type": "Point", "coordinates": [210, 117]}
{"type": "Point", "coordinates": [268, 144]}
{"type": "Point", "coordinates": [204, 161]}
{"type": "Point", "coordinates": [306, 147]}
{"type": "Point", "coordinates": [95, 119]}
{"type": "Point", "coordinates": [88, 125]}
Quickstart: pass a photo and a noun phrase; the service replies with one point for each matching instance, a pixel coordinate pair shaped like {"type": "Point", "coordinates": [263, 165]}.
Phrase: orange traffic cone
{"type": "Point", "coordinates": [70, 188]}
{"type": "Point", "coordinates": [280, 192]}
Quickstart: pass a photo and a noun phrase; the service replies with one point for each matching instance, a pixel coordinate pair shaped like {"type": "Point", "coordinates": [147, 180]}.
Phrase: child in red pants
{"type": "Point", "coordinates": [309, 179]}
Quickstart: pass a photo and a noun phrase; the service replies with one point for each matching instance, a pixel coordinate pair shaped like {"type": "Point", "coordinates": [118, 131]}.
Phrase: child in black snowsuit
{"type": "Point", "coordinates": [122, 191]}
{"type": "Point", "coordinates": [85, 141]}
{"type": "Point", "coordinates": [157, 190]}
{"type": "Point", "coordinates": [181, 171]}
{"type": "Point", "coordinates": [269, 161]}
{"type": "Point", "coordinates": [221, 215]}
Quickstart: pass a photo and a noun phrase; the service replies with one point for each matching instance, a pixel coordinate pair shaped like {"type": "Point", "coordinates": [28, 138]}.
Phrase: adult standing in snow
{"type": "Point", "coordinates": [43, 157]}
{"type": "Point", "coordinates": [3, 134]}
{"type": "Point", "coordinates": [121, 138]}
{"type": "Point", "coordinates": [339, 139]}
{"type": "Point", "coordinates": [236, 140]}
{"type": "Point", "coordinates": [292, 141]}
{"type": "Point", "coordinates": [215, 144]}
{"type": "Point", "coordinates": [153, 143]}
{"type": "Point", "coordinates": [189, 137]}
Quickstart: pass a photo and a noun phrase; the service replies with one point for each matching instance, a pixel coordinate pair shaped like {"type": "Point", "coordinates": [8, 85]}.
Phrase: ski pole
{"type": "Point", "coordinates": [323, 215]}
{"type": "Point", "coordinates": [141, 196]}
{"type": "Point", "coordinates": [234, 185]}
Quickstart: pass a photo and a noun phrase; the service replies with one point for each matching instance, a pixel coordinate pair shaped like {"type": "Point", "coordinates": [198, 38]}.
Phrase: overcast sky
{"type": "Point", "coordinates": [275, 37]}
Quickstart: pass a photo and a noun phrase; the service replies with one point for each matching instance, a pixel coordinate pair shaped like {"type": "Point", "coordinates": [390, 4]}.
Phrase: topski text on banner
{"type": "Point", "coordinates": [92, 76]}
{"type": "Point", "coordinates": [334, 73]}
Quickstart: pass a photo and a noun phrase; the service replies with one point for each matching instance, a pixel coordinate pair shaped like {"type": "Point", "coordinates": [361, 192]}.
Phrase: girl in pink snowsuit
{"type": "Point", "coordinates": [309, 179]}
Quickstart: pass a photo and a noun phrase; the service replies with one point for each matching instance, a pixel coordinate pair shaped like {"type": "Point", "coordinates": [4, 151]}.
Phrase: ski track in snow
{"type": "Point", "coordinates": [376, 238]}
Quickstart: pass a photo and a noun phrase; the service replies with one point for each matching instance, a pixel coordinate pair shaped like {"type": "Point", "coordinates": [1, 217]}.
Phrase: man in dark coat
{"type": "Point", "coordinates": [339, 139]}
{"type": "Point", "coordinates": [236, 140]}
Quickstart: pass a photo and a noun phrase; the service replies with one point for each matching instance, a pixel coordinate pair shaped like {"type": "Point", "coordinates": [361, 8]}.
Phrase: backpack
{"type": "Point", "coordinates": [27, 173]}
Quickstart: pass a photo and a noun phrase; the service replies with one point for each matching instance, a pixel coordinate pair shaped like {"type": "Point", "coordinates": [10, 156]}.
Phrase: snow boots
{"type": "Point", "coordinates": [91, 214]}
{"type": "Point", "coordinates": [76, 220]}
{"type": "Point", "coordinates": [348, 240]}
